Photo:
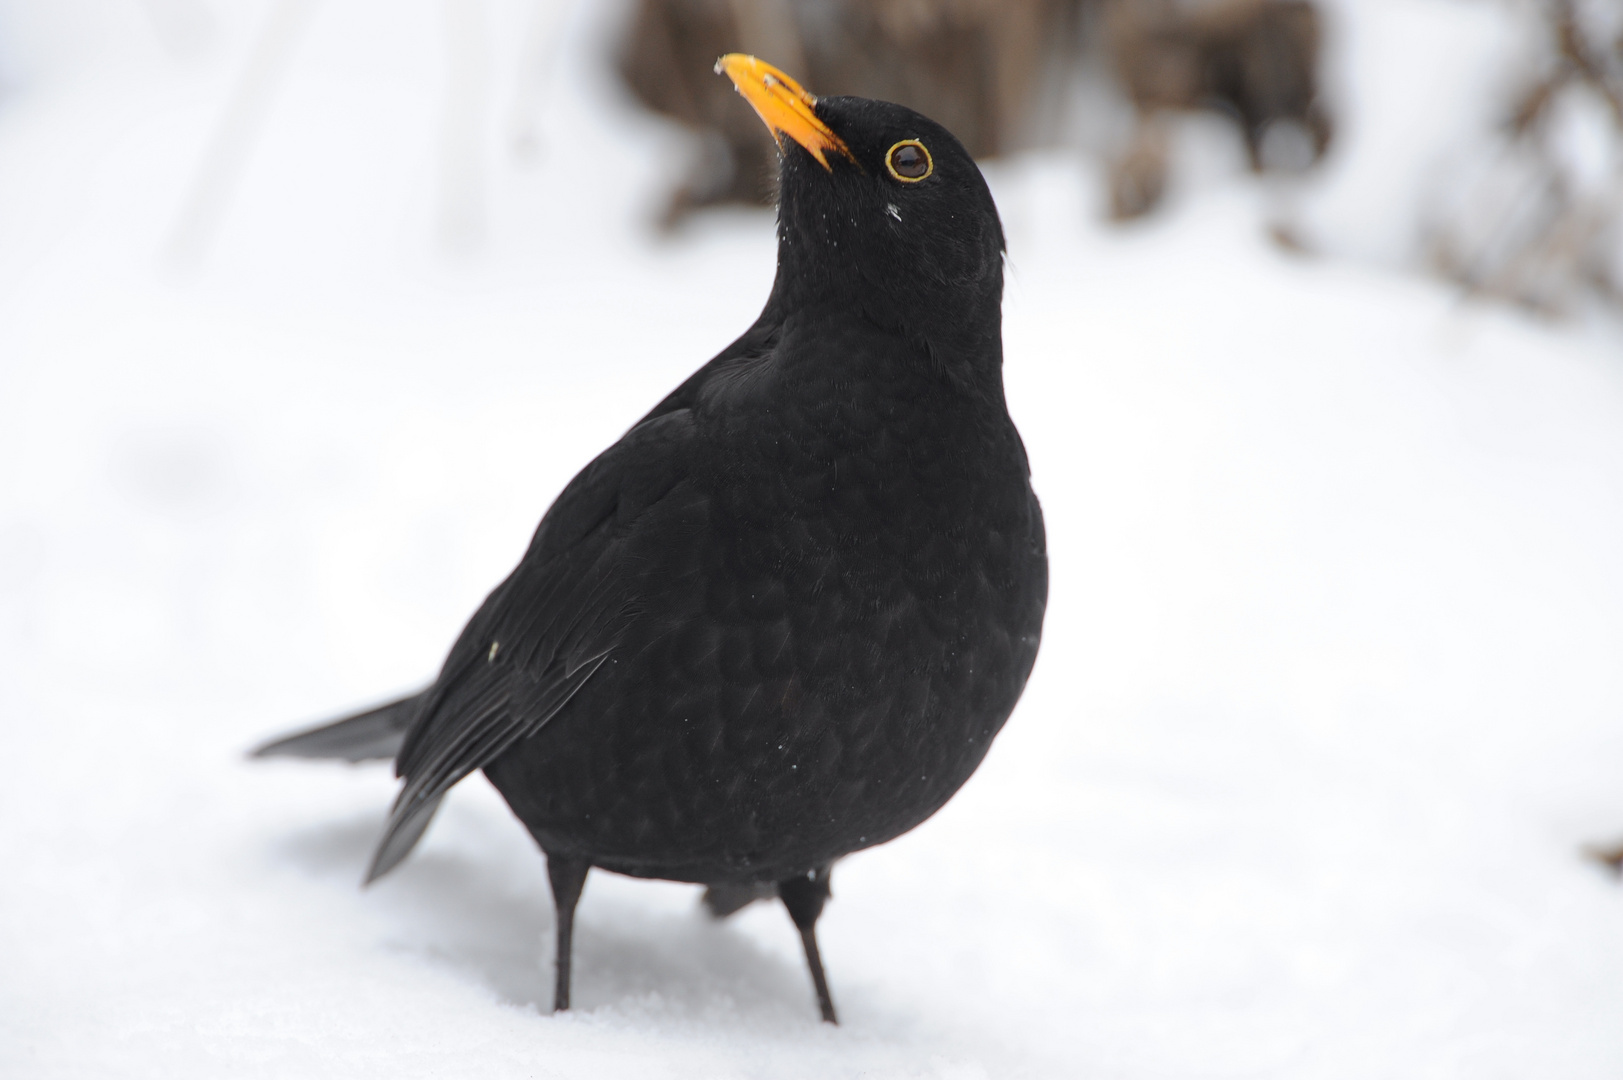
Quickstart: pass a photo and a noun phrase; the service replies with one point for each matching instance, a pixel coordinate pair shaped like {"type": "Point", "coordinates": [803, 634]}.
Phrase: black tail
{"type": "Point", "coordinates": [368, 736]}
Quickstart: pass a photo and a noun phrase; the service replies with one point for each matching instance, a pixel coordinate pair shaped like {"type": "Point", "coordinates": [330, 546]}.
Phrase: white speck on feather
{"type": "Point", "coordinates": [894, 211]}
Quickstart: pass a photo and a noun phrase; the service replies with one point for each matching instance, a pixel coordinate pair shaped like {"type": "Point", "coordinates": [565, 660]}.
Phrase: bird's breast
{"type": "Point", "coordinates": [823, 651]}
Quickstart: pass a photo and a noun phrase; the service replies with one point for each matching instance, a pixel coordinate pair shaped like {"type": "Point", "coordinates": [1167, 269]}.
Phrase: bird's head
{"type": "Point", "coordinates": [878, 206]}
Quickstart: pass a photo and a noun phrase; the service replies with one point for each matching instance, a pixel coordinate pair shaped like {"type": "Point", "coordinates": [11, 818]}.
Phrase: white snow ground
{"type": "Point", "coordinates": [1329, 695]}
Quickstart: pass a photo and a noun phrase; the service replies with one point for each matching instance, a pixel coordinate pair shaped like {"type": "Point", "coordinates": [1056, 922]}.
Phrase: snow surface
{"type": "Point", "coordinates": [1329, 696]}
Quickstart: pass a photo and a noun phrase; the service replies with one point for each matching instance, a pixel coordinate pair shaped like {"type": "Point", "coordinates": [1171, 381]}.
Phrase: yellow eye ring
{"type": "Point", "coordinates": [907, 168]}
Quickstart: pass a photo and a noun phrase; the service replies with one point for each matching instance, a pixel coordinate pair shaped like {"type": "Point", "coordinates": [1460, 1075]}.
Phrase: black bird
{"type": "Point", "coordinates": [781, 619]}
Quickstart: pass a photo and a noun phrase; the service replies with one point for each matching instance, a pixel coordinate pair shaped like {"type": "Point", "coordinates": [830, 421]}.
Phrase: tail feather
{"type": "Point", "coordinates": [375, 734]}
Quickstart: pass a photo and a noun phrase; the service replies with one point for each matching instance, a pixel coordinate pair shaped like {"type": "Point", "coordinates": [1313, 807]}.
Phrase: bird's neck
{"type": "Point", "coordinates": [956, 335]}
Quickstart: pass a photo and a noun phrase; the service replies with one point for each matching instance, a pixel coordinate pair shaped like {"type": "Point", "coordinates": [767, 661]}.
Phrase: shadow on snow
{"type": "Point", "coordinates": [484, 910]}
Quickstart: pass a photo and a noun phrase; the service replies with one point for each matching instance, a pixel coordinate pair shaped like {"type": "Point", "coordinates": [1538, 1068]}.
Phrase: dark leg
{"type": "Point", "coordinates": [725, 900]}
{"type": "Point", "coordinates": [804, 896]}
{"type": "Point", "coordinates": [568, 876]}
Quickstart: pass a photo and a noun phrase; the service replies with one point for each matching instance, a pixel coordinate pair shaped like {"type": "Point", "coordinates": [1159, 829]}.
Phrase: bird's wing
{"type": "Point", "coordinates": [543, 632]}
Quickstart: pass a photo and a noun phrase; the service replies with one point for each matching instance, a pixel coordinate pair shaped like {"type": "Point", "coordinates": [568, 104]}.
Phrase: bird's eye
{"type": "Point", "coordinates": [909, 162]}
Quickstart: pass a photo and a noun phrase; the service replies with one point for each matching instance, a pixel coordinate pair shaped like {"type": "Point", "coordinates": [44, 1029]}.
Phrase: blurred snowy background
{"type": "Point", "coordinates": [309, 307]}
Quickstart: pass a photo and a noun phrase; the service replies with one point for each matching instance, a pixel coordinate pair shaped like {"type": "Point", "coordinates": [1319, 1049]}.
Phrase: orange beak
{"type": "Point", "coordinates": [782, 105]}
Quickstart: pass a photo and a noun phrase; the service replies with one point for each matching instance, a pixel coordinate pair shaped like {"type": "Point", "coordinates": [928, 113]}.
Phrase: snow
{"type": "Point", "coordinates": [1328, 699]}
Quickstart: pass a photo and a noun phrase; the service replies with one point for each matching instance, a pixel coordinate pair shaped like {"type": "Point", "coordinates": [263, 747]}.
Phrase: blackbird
{"type": "Point", "coordinates": [781, 619]}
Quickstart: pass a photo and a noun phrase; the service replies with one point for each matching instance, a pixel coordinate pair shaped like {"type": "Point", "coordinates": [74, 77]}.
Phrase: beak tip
{"type": "Point", "coordinates": [782, 104]}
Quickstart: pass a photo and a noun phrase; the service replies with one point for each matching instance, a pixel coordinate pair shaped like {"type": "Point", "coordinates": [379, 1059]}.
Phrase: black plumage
{"type": "Point", "coordinates": [781, 619]}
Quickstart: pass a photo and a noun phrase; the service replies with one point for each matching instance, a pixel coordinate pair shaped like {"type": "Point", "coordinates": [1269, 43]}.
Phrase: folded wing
{"type": "Point", "coordinates": [544, 632]}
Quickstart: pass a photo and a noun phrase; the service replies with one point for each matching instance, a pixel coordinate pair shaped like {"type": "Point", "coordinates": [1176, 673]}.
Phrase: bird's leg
{"type": "Point", "coordinates": [804, 896]}
{"type": "Point", "coordinates": [728, 899]}
{"type": "Point", "coordinates": [568, 875]}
